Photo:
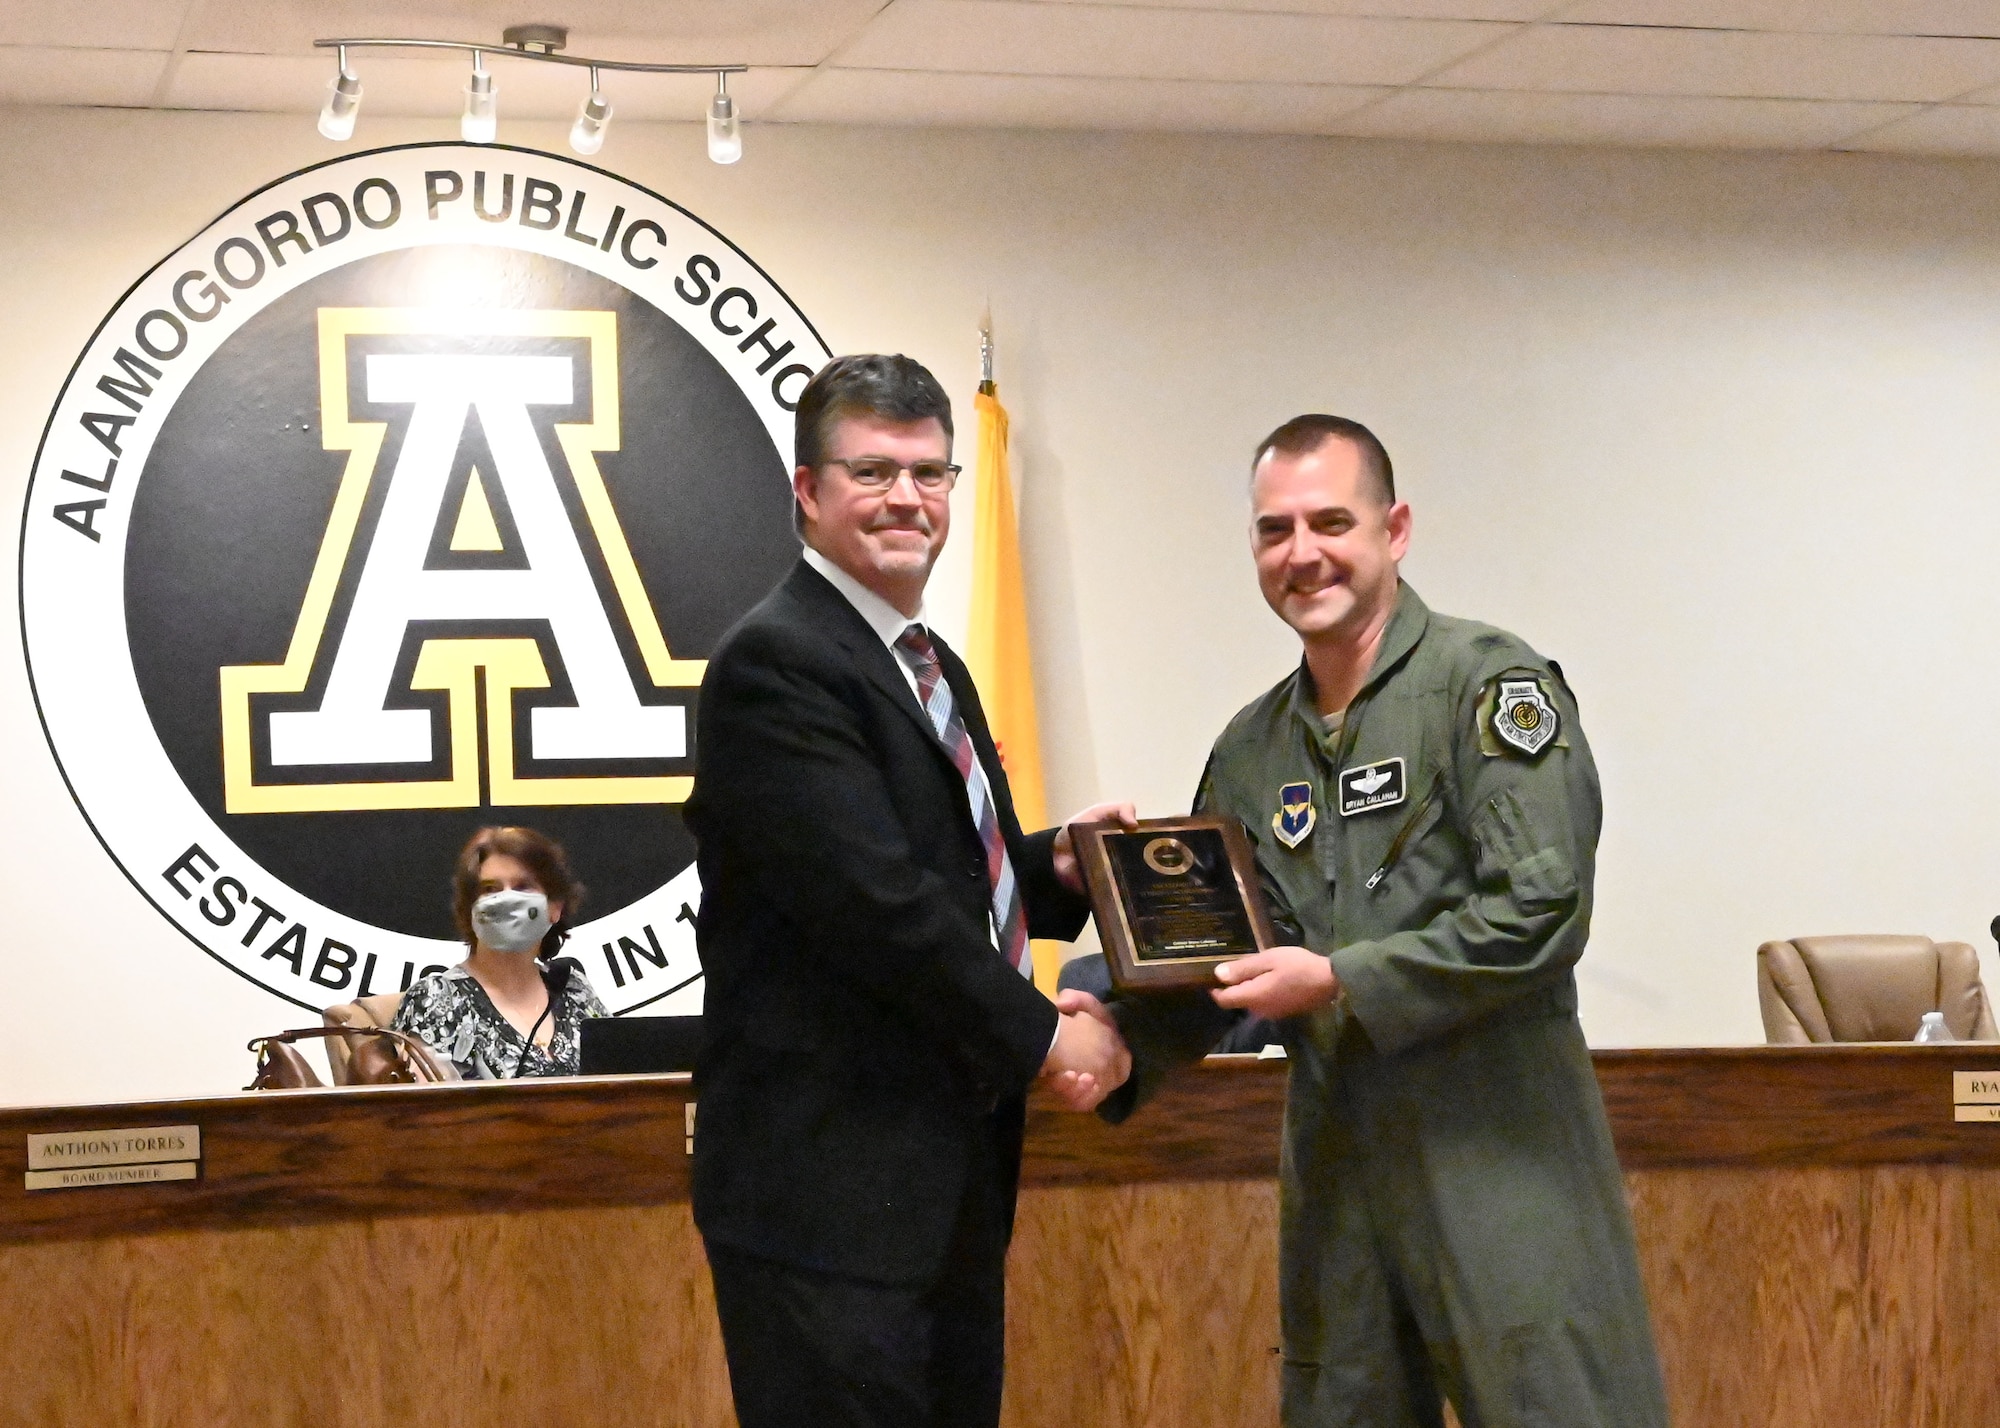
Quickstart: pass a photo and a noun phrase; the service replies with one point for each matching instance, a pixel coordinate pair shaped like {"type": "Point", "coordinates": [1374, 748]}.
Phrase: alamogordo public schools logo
{"type": "Point", "coordinates": [410, 496]}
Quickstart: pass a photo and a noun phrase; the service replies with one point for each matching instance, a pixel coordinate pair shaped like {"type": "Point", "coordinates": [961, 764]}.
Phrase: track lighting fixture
{"type": "Point", "coordinates": [479, 123]}
{"type": "Point", "coordinates": [586, 135]}
{"type": "Point", "coordinates": [343, 99]}
{"type": "Point", "coordinates": [725, 131]}
{"type": "Point", "coordinates": [481, 120]}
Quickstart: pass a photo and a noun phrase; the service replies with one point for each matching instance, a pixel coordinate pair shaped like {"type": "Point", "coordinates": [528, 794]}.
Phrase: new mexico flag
{"type": "Point", "coordinates": [996, 645]}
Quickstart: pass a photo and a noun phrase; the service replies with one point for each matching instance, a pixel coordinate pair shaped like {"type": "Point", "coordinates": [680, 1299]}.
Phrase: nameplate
{"type": "Point", "coordinates": [83, 1177]}
{"type": "Point", "coordinates": [1976, 1088]}
{"type": "Point", "coordinates": [1975, 1113]}
{"type": "Point", "coordinates": [146, 1145]}
{"type": "Point", "coordinates": [141, 1155]}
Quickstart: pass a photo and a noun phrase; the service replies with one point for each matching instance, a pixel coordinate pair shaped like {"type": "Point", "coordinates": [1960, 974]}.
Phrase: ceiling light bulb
{"type": "Point", "coordinates": [586, 135]}
{"type": "Point", "coordinates": [725, 130]}
{"type": "Point", "coordinates": [343, 98]}
{"type": "Point", "coordinates": [481, 120]}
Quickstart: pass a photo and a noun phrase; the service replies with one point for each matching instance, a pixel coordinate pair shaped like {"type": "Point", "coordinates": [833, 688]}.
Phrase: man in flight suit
{"type": "Point", "coordinates": [1425, 815]}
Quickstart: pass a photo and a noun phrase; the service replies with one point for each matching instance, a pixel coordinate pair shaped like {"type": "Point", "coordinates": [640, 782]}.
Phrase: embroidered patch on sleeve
{"type": "Point", "coordinates": [1518, 715]}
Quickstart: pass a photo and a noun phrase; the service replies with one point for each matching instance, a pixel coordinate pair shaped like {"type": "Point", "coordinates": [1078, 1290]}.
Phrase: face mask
{"type": "Point", "coordinates": [511, 921]}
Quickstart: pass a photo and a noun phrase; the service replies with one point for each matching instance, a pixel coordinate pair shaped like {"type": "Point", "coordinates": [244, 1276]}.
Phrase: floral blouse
{"type": "Point", "coordinates": [453, 1015]}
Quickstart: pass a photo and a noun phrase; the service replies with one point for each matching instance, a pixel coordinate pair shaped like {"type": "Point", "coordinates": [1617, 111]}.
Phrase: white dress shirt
{"type": "Point", "coordinates": [888, 623]}
{"type": "Point", "coordinates": [884, 619]}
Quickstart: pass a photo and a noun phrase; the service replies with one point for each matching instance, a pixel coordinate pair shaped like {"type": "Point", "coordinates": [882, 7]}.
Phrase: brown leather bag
{"type": "Point", "coordinates": [379, 1056]}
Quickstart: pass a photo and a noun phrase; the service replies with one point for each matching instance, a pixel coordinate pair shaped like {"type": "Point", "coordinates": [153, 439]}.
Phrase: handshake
{"type": "Point", "coordinates": [1089, 1059]}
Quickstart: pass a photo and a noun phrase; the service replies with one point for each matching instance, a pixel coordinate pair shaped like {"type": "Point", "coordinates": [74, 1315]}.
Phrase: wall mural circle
{"type": "Point", "coordinates": [410, 496]}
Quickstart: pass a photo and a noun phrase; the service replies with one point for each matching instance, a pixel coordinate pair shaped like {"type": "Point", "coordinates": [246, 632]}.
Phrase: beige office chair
{"type": "Point", "coordinates": [368, 1011]}
{"type": "Point", "coordinates": [1871, 987]}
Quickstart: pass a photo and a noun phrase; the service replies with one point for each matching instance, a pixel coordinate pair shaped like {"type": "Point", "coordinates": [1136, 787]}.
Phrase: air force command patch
{"type": "Point", "coordinates": [1294, 818]}
{"type": "Point", "coordinates": [1523, 718]}
{"type": "Point", "coordinates": [1371, 786]}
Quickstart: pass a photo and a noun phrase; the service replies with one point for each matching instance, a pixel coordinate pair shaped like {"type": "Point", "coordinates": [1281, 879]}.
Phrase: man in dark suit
{"type": "Point", "coordinates": [867, 899]}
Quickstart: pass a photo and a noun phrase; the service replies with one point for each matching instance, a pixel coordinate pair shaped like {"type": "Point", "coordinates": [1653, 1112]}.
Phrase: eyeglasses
{"type": "Point", "coordinates": [879, 473]}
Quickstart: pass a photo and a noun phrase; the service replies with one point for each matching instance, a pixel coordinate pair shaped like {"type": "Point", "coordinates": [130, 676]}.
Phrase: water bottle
{"type": "Point", "coordinates": [1932, 1028]}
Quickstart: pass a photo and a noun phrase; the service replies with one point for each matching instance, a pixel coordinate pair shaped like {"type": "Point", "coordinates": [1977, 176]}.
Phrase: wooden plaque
{"type": "Point", "coordinates": [1174, 898]}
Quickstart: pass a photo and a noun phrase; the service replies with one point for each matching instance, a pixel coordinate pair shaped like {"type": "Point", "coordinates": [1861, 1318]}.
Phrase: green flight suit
{"type": "Point", "coordinates": [1452, 1215]}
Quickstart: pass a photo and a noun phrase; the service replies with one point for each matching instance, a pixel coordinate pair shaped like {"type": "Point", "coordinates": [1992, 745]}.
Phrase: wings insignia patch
{"type": "Point", "coordinates": [1294, 818]}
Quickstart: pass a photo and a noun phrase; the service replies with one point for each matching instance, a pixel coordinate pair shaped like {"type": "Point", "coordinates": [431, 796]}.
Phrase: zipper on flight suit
{"type": "Point", "coordinates": [1403, 833]}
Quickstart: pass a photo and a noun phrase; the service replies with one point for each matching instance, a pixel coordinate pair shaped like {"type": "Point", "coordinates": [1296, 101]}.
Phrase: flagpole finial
{"type": "Point", "coordinates": [986, 349]}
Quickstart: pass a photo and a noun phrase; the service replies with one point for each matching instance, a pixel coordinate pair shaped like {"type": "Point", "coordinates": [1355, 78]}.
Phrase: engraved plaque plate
{"type": "Point", "coordinates": [88, 1176]}
{"type": "Point", "coordinates": [1174, 898]}
{"type": "Point", "coordinates": [68, 1150]}
{"type": "Point", "coordinates": [136, 1155]}
{"type": "Point", "coordinates": [1973, 1088]}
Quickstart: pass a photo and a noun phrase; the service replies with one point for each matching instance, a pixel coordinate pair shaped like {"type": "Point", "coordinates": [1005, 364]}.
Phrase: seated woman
{"type": "Point", "coordinates": [508, 1009]}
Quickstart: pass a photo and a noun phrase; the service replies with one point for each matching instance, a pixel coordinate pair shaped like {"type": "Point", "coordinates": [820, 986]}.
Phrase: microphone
{"type": "Point", "coordinates": [1994, 928]}
{"type": "Point", "coordinates": [555, 976]}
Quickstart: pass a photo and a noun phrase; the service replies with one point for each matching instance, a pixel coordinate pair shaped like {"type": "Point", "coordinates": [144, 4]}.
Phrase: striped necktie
{"type": "Point", "coordinates": [1009, 919]}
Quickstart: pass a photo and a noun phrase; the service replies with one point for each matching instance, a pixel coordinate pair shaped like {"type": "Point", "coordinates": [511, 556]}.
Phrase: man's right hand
{"type": "Point", "coordinates": [1089, 1060]}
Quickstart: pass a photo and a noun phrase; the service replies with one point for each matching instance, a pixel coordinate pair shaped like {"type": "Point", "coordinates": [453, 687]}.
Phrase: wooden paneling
{"type": "Point", "coordinates": [1825, 1296]}
{"type": "Point", "coordinates": [464, 1321]}
{"type": "Point", "coordinates": [1220, 1121]}
{"type": "Point", "coordinates": [285, 1157]}
{"type": "Point", "coordinates": [1837, 1298]}
{"type": "Point", "coordinates": [292, 1156]}
{"type": "Point", "coordinates": [1141, 1305]}
{"type": "Point", "coordinates": [288, 1157]}
{"type": "Point", "coordinates": [1819, 1237]}
{"type": "Point", "coordinates": [1795, 1105]}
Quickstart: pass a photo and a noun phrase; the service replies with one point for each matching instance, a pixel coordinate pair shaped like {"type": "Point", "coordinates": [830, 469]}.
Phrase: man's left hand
{"type": "Point", "coordinates": [1278, 982]}
{"type": "Point", "coordinates": [1067, 871]}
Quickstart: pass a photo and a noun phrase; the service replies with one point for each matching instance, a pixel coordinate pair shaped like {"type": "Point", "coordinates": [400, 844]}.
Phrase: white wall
{"type": "Point", "coordinates": [1717, 432]}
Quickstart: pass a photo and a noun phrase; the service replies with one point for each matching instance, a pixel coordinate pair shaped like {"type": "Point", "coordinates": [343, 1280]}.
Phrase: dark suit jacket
{"type": "Point", "coordinates": [866, 1045]}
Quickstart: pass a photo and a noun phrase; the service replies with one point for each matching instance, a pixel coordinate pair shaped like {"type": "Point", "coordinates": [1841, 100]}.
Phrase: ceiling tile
{"type": "Point", "coordinates": [102, 24]}
{"type": "Point", "coordinates": [1990, 95]}
{"type": "Point", "coordinates": [1623, 119]}
{"type": "Point", "coordinates": [1023, 37]}
{"type": "Point", "coordinates": [399, 85]}
{"type": "Point", "coordinates": [1389, 9]}
{"type": "Point", "coordinates": [767, 32]}
{"type": "Point", "coordinates": [849, 96]}
{"type": "Point", "coordinates": [43, 74]}
{"type": "Point", "coordinates": [1947, 129]}
{"type": "Point", "coordinates": [1614, 60]}
{"type": "Point", "coordinates": [1856, 17]}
